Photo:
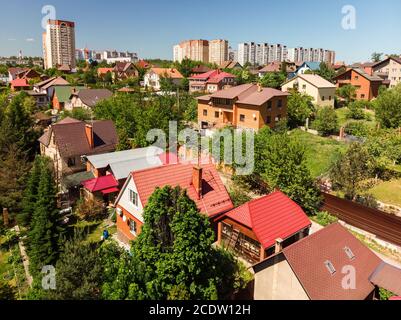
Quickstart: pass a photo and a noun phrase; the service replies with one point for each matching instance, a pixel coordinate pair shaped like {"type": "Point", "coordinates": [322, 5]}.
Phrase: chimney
{"type": "Point", "coordinates": [197, 180]}
{"type": "Point", "coordinates": [278, 246]}
{"type": "Point", "coordinates": [89, 135]}
{"type": "Point", "coordinates": [259, 87]}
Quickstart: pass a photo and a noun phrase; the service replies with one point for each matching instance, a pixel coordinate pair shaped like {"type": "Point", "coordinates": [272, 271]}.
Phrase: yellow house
{"type": "Point", "coordinates": [321, 90]}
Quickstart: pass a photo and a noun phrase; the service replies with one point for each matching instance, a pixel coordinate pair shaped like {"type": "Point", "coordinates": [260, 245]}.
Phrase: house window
{"type": "Point", "coordinates": [268, 119]}
{"type": "Point", "coordinates": [205, 112]}
{"type": "Point", "coordinates": [242, 117]}
{"type": "Point", "coordinates": [71, 162]}
{"type": "Point", "coordinates": [133, 197]}
{"type": "Point", "coordinates": [304, 86]}
{"type": "Point", "coordinates": [323, 98]}
{"type": "Point", "coordinates": [329, 265]}
{"type": "Point", "coordinates": [362, 96]}
{"type": "Point", "coordinates": [356, 77]}
{"type": "Point", "coordinates": [279, 103]}
{"type": "Point", "coordinates": [216, 114]}
{"type": "Point", "coordinates": [349, 253]}
{"type": "Point", "coordinates": [132, 227]}
{"type": "Point", "coordinates": [329, 98]}
{"type": "Point", "coordinates": [269, 105]}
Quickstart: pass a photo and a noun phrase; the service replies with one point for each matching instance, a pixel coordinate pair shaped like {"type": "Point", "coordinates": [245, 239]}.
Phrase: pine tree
{"type": "Point", "coordinates": [13, 169]}
{"type": "Point", "coordinates": [44, 234]}
{"type": "Point", "coordinates": [79, 271]}
{"type": "Point", "coordinates": [31, 193]}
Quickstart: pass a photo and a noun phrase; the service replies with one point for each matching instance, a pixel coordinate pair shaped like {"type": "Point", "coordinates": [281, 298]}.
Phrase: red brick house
{"type": "Point", "coordinates": [211, 81]}
{"type": "Point", "coordinates": [203, 185]}
{"type": "Point", "coordinates": [125, 70]}
{"type": "Point", "coordinates": [367, 85]}
{"type": "Point", "coordinates": [254, 229]}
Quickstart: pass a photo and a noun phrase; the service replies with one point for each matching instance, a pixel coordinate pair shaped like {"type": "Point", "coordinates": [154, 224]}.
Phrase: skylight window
{"type": "Point", "coordinates": [330, 267]}
{"type": "Point", "coordinates": [349, 253]}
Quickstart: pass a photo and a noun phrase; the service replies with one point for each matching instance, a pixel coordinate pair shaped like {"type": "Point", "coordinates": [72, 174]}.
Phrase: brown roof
{"type": "Point", "coordinates": [122, 66]}
{"type": "Point", "coordinates": [167, 72]}
{"type": "Point", "coordinates": [200, 69]}
{"type": "Point", "coordinates": [308, 258]}
{"type": "Point", "coordinates": [387, 277]}
{"type": "Point", "coordinates": [71, 140]}
{"type": "Point", "coordinates": [59, 81]}
{"type": "Point", "coordinates": [91, 97]}
{"type": "Point", "coordinates": [230, 64]}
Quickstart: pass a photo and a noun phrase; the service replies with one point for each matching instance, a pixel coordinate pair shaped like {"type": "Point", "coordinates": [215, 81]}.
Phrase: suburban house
{"type": "Point", "coordinates": [102, 72]}
{"type": "Point", "coordinates": [276, 66]}
{"type": "Point", "coordinates": [39, 97]}
{"type": "Point", "coordinates": [322, 91]}
{"type": "Point", "coordinates": [314, 268]}
{"type": "Point", "coordinates": [48, 86]}
{"type": "Point", "coordinates": [61, 96]}
{"type": "Point", "coordinates": [390, 69]}
{"type": "Point", "coordinates": [199, 70]}
{"type": "Point", "coordinates": [247, 106]}
{"type": "Point", "coordinates": [19, 85]}
{"type": "Point", "coordinates": [211, 81]}
{"type": "Point", "coordinates": [203, 185]}
{"type": "Point", "coordinates": [125, 70]}
{"type": "Point", "coordinates": [28, 74]}
{"type": "Point", "coordinates": [68, 140]}
{"type": "Point", "coordinates": [118, 165]}
{"type": "Point", "coordinates": [153, 76]}
{"type": "Point", "coordinates": [307, 67]}
{"type": "Point", "coordinates": [14, 71]}
{"type": "Point", "coordinates": [87, 98]}
{"type": "Point", "coordinates": [254, 229]}
{"type": "Point", "coordinates": [230, 64]}
{"type": "Point", "coordinates": [367, 85]}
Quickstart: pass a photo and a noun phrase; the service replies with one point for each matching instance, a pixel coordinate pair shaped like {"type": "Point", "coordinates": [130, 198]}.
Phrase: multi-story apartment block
{"type": "Point", "coordinates": [311, 54]}
{"type": "Point", "coordinates": [261, 54]}
{"type": "Point", "coordinates": [59, 44]}
{"type": "Point", "coordinates": [196, 50]}
{"type": "Point", "coordinates": [218, 51]}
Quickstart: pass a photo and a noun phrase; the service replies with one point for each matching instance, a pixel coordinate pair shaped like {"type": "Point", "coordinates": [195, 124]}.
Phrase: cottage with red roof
{"type": "Point", "coordinates": [19, 84]}
{"type": "Point", "coordinates": [203, 185]}
{"type": "Point", "coordinates": [211, 81]}
{"type": "Point", "coordinates": [330, 264]}
{"type": "Point", "coordinates": [254, 229]}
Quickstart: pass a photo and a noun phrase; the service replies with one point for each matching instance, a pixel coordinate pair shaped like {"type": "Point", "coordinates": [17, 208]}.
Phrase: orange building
{"type": "Point", "coordinates": [367, 84]}
{"type": "Point", "coordinates": [247, 106]}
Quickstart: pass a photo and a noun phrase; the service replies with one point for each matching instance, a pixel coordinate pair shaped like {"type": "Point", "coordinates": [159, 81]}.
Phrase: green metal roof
{"type": "Point", "coordinates": [63, 93]}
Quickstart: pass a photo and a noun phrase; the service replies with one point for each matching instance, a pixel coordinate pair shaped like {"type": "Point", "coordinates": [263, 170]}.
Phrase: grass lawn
{"type": "Point", "coordinates": [342, 117]}
{"type": "Point", "coordinates": [95, 229]}
{"type": "Point", "coordinates": [388, 192]}
{"type": "Point", "coordinates": [320, 151]}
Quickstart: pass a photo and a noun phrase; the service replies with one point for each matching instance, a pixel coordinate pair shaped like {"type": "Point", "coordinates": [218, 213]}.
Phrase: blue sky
{"type": "Point", "coordinates": [152, 27]}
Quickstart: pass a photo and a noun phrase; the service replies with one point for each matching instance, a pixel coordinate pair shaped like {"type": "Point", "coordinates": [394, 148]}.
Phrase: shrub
{"type": "Point", "coordinates": [357, 128]}
{"type": "Point", "coordinates": [326, 121]}
{"type": "Point", "coordinates": [238, 196]}
{"type": "Point", "coordinates": [89, 209]}
{"type": "Point", "coordinates": [324, 218]}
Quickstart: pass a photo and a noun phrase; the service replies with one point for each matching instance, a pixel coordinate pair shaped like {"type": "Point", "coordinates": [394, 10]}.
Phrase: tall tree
{"type": "Point", "coordinates": [281, 163]}
{"type": "Point", "coordinates": [326, 72]}
{"type": "Point", "coordinates": [79, 271]}
{"type": "Point", "coordinates": [387, 107]}
{"type": "Point", "coordinates": [377, 56]}
{"type": "Point", "coordinates": [13, 170]}
{"type": "Point", "coordinates": [348, 93]}
{"type": "Point", "coordinates": [31, 193]}
{"type": "Point", "coordinates": [326, 121]}
{"type": "Point", "coordinates": [299, 108]}
{"type": "Point", "coordinates": [44, 234]}
{"type": "Point", "coordinates": [351, 170]}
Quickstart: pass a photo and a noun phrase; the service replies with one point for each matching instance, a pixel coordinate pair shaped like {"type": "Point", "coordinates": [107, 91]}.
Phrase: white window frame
{"type": "Point", "coordinates": [133, 198]}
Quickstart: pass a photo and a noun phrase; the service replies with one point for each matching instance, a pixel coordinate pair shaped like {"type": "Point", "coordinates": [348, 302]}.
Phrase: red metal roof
{"type": "Point", "coordinates": [212, 76]}
{"type": "Point", "coordinates": [214, 200]}
{"type": "Point", "coordinates": [100, 183]}
{"type": "Point", "coordinates": [271, 217]}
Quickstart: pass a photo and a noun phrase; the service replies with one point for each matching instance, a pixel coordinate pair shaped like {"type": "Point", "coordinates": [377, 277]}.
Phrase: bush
{"type": "Point", "coordinates": [357, 128]}
{"type": "Point", "coordinates": [90, 209]}
{"type": "Point", "coordinates": [326, 121]}
{"type": "Point", "coordinates": [324, 218]}
{"type": "Point", "coordinates": [238, 196]}
{"type": "Point", "coordinates": [355, 109]}
{"type": "Point", "coordinates": [385, 294]}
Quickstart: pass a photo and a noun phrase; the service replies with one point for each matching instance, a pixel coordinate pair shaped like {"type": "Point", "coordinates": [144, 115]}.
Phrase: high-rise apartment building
{"type": "Point", "coordinates": [261, 54]}
{"type": "Point", "coordinates": [197, 50]}
{"type": "Point", "coordinates": [218, 51]}
{"type": "Point", "coordinates": [311, 55]}
{"type": "Point", "coordinates": [59, 44]}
